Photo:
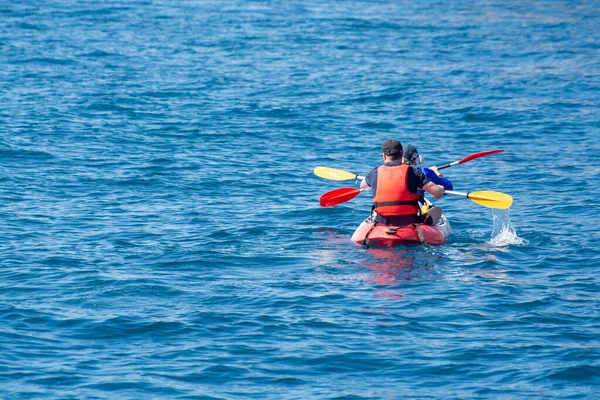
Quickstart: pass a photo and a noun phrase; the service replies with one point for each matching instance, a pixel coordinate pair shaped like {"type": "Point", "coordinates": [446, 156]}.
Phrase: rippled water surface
{"type": "Point", "coordinates": [161, 235]}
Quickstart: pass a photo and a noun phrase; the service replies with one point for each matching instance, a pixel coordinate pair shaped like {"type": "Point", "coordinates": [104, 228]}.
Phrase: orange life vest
{"type": "Point", "coordinates": [392, 196]}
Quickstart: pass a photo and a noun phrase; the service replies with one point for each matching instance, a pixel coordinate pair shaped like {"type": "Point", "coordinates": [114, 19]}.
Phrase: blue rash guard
{"type": "Point", "coordinates": [445, 182]}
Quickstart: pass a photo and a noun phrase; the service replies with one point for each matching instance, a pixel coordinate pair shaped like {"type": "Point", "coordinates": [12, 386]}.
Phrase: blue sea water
{"type": "Point", "coordinates": [160, 232]}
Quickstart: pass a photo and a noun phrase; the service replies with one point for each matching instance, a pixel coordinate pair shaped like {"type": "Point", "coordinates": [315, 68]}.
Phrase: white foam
{"type": "Point", "coordinates": [504, 233]}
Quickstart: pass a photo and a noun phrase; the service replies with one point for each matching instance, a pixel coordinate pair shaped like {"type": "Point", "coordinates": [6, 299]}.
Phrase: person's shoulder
{"type": "Point", "coordinates": [369, 177]}
{"type": "Point", "coordinates": [417, 170]}
{"type": "Point", "coordinates": [427, 172]}
{"type": "Point", "coordinates": [420, 174]}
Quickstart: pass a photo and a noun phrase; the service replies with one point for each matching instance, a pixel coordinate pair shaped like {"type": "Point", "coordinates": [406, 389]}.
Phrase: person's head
{"type": "Point", "coordinates": [411, 155]}
{"type": "Point", "coordinates": [392, 150]}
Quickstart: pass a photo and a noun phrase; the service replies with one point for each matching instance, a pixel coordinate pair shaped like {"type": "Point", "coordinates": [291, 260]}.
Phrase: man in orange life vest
{"type": "Point", "coordinates": [394, 184]}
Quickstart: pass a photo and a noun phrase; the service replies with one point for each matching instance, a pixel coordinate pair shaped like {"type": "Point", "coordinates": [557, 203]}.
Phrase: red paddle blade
{"type": "Point", "coordinates": [480, 154]}
{"type": "Point", "coordinates": [338, 196]}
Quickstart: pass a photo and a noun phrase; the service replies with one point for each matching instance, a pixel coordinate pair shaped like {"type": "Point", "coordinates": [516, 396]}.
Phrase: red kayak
{"type": "Point", "coordinates": [388, 236]}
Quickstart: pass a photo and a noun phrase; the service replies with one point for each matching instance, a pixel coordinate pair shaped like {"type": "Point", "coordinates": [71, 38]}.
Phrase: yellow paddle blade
{"type": "Point", "coordinates": [334, 174]}
{"type": "Point", "coordinates": [491, 199]}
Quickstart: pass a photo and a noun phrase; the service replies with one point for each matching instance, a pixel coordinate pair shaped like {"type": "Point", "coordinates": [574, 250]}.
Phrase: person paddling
{"type": "Point", "coordinates": [429, 213]}
{"type": "Point", "coordinates": [395, 187]}
{"type": "Point", "coordinates": [411, 157]}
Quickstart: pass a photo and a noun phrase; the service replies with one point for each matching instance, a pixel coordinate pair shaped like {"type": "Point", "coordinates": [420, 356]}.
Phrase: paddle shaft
{"type": "Point", "coordinates": [340, 175]}
{"type": "Point", "coordinates": [485, 198]}
{"type": "Point", "coordinates": [469, 195]}
{"type": "Point", "coordinates": [448, 165]}
{"type": "Point", "coordinates": [454, 193]}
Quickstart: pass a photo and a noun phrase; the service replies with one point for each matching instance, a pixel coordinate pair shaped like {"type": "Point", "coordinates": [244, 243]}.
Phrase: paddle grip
{"type": "Point", "coordinates": [447, 165]}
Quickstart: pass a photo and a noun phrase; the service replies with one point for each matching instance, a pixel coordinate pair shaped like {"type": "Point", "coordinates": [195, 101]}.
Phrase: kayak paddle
{"type": "Point", "coordinates": [471, 157]}
{"type": "Point", "coordinates": [486, 198]}
{"type": "Point", "coordinates": [336, 174]}
{"type": "Point", "coordinates": [338, 196]}
{"type": "Point", "coordinates": [339, 175]}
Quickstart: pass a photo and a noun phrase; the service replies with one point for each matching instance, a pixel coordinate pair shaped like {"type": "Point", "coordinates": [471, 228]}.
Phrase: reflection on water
{"type": "Point", "coordinates": [389, 265]}
{"type": "Point", "coordinates": [388, 270]}
{"type": "Point", "coordinates": [395, 266]}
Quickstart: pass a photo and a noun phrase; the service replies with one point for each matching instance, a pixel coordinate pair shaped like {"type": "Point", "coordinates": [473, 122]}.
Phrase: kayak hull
{"type": "Point", "coordinates": [388, 236]}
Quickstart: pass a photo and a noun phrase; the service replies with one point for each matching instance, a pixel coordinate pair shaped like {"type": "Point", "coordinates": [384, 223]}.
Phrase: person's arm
{"type": "Point", "coordinates": [366, 182]}
{"type": "Point", "coordinates": [426, 184]}
{"type": "Point", "coordinates": [436, 176]}
{"type": "Point", "coordinates": [436, 190]}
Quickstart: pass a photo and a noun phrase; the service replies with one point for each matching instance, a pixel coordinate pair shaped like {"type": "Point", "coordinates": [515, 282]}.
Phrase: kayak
{"type": "Point", "coordinates": [371, 234]}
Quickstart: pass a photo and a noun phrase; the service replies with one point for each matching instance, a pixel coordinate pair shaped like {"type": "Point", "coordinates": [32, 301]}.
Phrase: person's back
{"type": "Point", "coordinates": [395, 187]}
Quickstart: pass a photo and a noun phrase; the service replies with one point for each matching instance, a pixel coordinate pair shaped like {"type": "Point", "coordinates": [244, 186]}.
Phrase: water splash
{"type": "Point", "coordinates": [504, 233]}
